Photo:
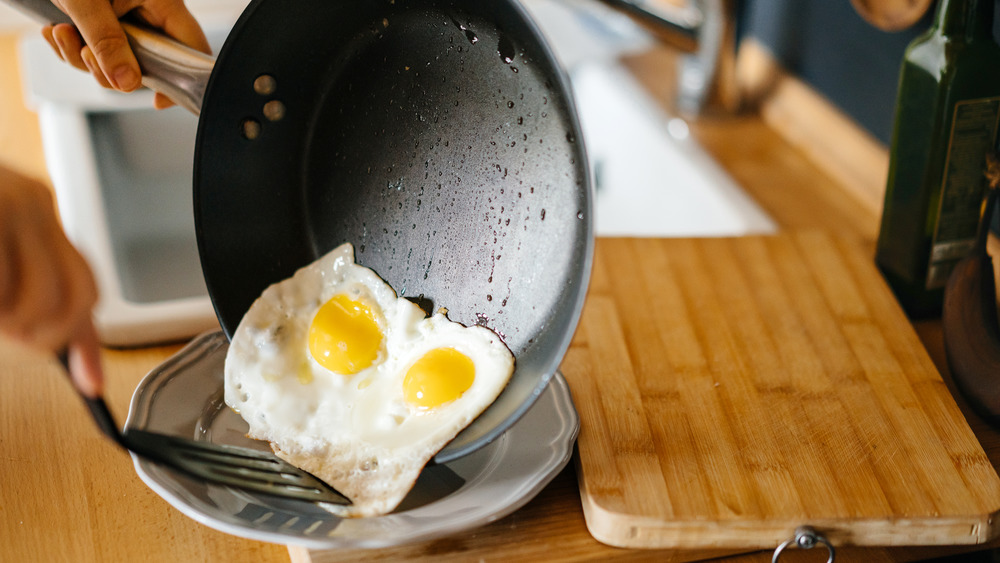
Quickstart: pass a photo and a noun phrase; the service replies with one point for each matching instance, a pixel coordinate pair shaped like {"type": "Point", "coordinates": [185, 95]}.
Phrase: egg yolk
{"type": "Point", "coordinates": [344, 337]}
{"type": "Point", "coordinates": [440, 376]}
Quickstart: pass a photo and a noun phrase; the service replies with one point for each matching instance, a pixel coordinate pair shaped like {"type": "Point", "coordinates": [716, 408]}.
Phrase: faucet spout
{"type": "Point", "coordinates": [705, 31]}
{"type": "Point", "coordinates": [678, 26]}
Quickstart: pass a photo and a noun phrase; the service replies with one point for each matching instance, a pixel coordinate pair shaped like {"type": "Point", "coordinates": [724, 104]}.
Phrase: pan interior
{"type": "Point", "coordinates": [439, 139]}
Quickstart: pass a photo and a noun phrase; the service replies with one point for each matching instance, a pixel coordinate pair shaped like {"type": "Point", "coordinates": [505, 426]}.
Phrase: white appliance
{"type": "Point", "coordinates": [122, 176]}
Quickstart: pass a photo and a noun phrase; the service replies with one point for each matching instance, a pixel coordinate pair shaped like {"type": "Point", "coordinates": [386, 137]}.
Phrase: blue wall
{"type": "Point", "coordinates": [829, 46]}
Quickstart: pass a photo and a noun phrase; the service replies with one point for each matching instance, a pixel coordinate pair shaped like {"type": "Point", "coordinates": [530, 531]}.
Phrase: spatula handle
{"type": "Point", "coordinates": [168, 66]}
{"type": "Point", "coordinates": [98, 408]}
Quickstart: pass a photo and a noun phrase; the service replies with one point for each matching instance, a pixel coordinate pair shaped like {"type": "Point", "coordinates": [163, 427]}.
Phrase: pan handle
{"type": "Point", "coordinates": [168, 66]}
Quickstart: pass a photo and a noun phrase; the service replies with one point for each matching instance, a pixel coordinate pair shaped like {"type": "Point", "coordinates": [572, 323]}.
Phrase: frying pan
{"type": "Point", "coordinates": [437, 136]}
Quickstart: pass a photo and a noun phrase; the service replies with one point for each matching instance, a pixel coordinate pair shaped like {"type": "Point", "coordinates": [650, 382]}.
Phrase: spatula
{"type": "Point", "coordinates": [233, 466]}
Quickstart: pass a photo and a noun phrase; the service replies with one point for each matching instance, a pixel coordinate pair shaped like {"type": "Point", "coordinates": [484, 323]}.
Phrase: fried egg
{"type": "Point", "coordinates": [356, 385]}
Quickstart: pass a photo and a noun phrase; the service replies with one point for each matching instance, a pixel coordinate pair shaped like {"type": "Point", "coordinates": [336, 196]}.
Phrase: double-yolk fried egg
{"type": "Point", "coordinates": [356, 385]}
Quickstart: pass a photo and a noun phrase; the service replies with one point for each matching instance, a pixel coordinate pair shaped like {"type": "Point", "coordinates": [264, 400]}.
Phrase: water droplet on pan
{"type": "Point", "coordinates": [506, 50]}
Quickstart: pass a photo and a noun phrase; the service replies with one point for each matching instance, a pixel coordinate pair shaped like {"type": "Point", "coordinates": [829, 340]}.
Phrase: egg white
{"type": "Point", "coordinates": [356, 432]}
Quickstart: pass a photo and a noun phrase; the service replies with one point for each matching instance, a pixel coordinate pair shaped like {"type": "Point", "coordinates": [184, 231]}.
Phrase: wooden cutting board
{"type": "Point", "coordinates": [731, 390]}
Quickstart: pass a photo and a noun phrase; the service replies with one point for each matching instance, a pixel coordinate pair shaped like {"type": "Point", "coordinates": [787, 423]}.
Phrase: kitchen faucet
{"type": "Point", "coordinates": [705, 30]}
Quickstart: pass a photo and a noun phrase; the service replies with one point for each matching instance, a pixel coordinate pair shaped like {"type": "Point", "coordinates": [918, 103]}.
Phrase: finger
{"type": "Point", "coordinates": [91, 61]}
{"type": "Point", "coordinates": [101, 30]}
{"type": "Point", "coordinates": [69, 42]}
{"type": "Point", "coordinates": [176, 21]}
{"type": "Point", "coordinates": [59, 46]}
{"type": "Point", "coordinates": [47, 35]}
{"type": "Point", "coordinates": [162, 102]}
{"type": "Point", "coordinates": [85, 362]}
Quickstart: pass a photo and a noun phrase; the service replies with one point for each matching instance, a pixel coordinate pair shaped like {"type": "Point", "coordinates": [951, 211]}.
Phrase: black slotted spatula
{"type": "Point", "coordinates": [233, 466]}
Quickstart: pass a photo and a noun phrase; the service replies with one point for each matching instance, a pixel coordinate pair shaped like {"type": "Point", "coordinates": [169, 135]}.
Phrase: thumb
{"type": "Point", "coordinates": [85, 362]}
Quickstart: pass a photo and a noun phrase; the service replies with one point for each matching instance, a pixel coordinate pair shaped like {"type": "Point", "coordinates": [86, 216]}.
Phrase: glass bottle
{"type": "Point", "coordinates": [947, 112]}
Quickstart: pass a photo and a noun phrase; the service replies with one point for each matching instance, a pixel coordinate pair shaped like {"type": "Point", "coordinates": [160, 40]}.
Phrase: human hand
{"type": "Point", "coordinates": [46, 288]}
{"type": "Point", "coordinates": [97, 42]}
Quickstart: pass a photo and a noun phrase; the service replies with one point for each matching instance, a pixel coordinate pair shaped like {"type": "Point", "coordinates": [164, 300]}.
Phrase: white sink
{"type": "Point", "coordinates": [651, 178]}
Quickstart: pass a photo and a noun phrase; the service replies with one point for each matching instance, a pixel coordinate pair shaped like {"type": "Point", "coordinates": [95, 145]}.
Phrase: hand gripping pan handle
{"type": "Point", "coordinates": [169, 67]}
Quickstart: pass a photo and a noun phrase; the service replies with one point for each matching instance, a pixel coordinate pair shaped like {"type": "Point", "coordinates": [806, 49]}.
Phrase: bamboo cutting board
{"type": "Point", "coordinates": [731, 390]}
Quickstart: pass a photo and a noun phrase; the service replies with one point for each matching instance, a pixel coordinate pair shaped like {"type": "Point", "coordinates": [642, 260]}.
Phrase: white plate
{"type": "Point", "coordinates": [183, 397]}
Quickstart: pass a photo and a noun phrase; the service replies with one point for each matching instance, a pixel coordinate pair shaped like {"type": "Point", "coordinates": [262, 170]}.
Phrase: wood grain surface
{"type": "Point", "coordinates": [68, 494]}
{"type": "Point", "coordinates": [732, 389]}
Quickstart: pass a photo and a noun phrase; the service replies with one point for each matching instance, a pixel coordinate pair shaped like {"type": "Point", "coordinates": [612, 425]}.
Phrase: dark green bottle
{"type": "Point", "coordinates": [947, 112]}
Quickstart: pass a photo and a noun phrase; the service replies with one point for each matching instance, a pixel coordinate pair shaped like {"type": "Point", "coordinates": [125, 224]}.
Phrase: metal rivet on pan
{"type": "Point", "coordinates": [274, 110]}
{"type": "Point", "coordinates": [265, 85]}
{"type": "Point", "coordinates": [250, 129]}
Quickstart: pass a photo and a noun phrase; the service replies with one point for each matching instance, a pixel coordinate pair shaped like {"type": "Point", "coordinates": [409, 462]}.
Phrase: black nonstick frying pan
{"type": "Point", "coordinates": [439, 137]}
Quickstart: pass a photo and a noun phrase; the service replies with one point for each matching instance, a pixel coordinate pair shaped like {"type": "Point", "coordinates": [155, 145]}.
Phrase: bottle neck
{"type": "Point", "coordinates": [968, 18]}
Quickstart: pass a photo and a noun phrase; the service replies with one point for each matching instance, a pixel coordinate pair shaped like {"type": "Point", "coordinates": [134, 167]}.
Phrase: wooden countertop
{"type": "Point", "coordinates": [66, 494]}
